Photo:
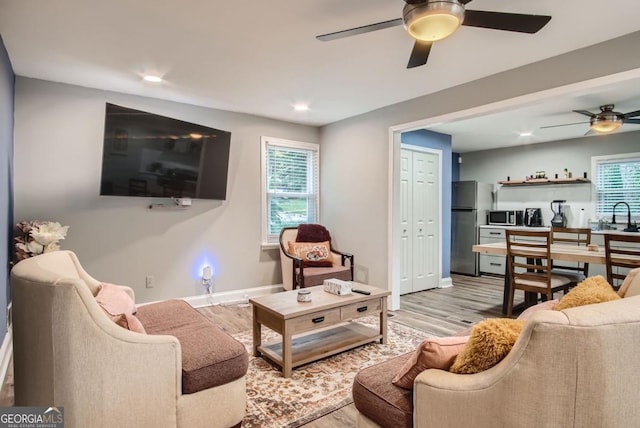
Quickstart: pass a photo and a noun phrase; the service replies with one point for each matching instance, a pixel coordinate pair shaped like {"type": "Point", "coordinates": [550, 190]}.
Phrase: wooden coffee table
{"type": "Point", "coordinates": [317, 329]}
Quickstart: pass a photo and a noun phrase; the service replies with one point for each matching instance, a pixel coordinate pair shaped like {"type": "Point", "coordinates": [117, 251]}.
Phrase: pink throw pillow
{"type": "Point", "coordinates": [114, 300]}
{"type": "Point", "coordinates": [544, 306]}
{"type": "Point", "coordinates": [119, 306]}
{"type": "Point", "coordinates": [432, 353]}
{"type": "Point", "coordinates": [130, 322]}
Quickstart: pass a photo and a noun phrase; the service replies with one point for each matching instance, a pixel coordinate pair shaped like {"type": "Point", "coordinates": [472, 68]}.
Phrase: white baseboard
{"type": "Point", "coordinates": [231, 297]}
{"type": "Point", "coordinates": [6, 352]}
{"type": "Point", "coordinates": [446, 283]}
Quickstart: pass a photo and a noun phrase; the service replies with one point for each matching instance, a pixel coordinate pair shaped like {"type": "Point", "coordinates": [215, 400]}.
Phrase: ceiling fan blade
{"type": "Point", "coordinates": [585, 112]}
{"type": "Point", "coordinates": [360, 30]}
{"type": "Point", "coordinates": [634, 121]}
{"type": "Point", "coordinates": [505, 21]}
{"type": "Point", "coordinates": [589, 132]}
{"type": "Point", "coordinates": [464, 1]}
{"type": "Point", "coordinates": [564, 124]}
{"type": "Point", "coordinates": [419, 54]}
{"type": "Point", "coordinates": [631, 114]}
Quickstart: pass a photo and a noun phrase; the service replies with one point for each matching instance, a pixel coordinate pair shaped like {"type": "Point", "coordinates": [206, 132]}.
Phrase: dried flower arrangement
{"type": "Point", "coordinates": [36, 237]}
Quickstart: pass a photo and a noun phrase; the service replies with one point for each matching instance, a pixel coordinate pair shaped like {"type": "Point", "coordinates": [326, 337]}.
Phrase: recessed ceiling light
{"type": "Point", "coordinates": [301, 107]}
{"type": "Point", "coordinates": [526, 134]}
{"type": "Point", "coordinates": [151, 78]}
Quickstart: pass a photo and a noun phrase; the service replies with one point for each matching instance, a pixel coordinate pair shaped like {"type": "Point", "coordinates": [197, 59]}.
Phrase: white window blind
{"type": "Point", "coordinates": [618, 180]}
{"type": "Point", "coordinates": [290, 185]}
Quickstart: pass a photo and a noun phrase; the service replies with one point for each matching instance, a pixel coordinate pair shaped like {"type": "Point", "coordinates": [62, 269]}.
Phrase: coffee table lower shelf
{"type": "Point", "coordinates": [322, 343]}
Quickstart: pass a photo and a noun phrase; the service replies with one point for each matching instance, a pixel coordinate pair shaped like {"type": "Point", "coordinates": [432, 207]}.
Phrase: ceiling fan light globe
{"type": "Point", "coordinates": [604, 125]}
{"type": "Point", "coordinates": [433, 20]}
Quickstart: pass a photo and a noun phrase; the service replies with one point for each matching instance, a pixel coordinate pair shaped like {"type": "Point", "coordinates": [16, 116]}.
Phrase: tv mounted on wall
{"type": "Point", "coordinates": [149, 155]}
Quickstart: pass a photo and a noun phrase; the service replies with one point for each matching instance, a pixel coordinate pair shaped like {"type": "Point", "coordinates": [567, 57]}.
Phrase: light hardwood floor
{"type": "Point", "coordinates": [440, 312]}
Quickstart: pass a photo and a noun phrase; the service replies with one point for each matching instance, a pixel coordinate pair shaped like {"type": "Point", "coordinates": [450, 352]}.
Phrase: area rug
{"type": "Point", "coordinates": [318, 388]}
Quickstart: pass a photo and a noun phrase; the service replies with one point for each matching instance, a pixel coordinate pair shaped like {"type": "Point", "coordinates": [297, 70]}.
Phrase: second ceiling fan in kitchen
{"type": "Point", "coordinates": [606, 121]}
{"type": "Point", "coordinates": [428, 21]}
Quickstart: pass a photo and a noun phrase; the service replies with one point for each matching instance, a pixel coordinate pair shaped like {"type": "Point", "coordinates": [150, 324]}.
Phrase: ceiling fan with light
{"type": "Point", "coordinates": [606, 121]}
{"type": "Point", "coordinates": [428, 21]}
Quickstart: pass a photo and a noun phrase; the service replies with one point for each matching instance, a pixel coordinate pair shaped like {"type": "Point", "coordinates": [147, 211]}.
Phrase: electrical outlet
{"type": "Point", "coordinates": [150, 281]}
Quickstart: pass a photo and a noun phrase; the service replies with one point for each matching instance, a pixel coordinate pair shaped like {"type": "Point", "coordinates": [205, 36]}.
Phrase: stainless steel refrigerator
{"type": "Point", "coordinates": [470, 202]}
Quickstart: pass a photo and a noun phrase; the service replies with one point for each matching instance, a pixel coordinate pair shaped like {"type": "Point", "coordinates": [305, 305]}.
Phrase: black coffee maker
{"type": "Point", "coordinates": [559, 219]}
{"type": "Point", "coordinates": [533, 217]}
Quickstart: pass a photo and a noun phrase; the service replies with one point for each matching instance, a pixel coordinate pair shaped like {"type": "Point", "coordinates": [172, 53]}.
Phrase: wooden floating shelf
{"type": "Point", "coordinates": [543, 181]}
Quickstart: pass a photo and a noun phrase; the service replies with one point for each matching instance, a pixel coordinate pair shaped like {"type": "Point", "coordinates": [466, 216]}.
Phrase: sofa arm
{"type": "Point", "coordinates": [88, 359]}
{"type": "Point", "coordinates": [132, 370]}
{"type": "Point", "coordinates": [531, 386]}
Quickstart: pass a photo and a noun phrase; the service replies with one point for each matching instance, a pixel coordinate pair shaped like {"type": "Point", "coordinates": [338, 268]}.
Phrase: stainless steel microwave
{"type": "Point", "coordinates": [505, 217]}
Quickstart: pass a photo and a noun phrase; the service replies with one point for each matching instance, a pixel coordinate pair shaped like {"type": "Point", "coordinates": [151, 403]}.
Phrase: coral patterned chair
{"type": "Point", "coordinates": [308, 258]}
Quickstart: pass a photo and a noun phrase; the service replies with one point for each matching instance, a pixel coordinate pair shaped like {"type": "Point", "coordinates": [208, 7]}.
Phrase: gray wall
{"type": "Point", "coordinates": [7, 79]}
{"type": "Point", "coordinates": [355, 151]}
{"type": "Point", "coordinates": [58, 156]}
{"type": "Point", "coordinates": [57, 161]}
{"type": "Point", "coordinates": [495, 165]}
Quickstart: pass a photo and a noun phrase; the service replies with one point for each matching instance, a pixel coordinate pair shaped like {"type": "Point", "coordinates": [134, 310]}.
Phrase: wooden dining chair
{"type": "Point", "coordinates": [622, 253]}
{"type": "Point", "coordinates": [578, 236]}
{"type": "Point", "coordinates": [529, 265]}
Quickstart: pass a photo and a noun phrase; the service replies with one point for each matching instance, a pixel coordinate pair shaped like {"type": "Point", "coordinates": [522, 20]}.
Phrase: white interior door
{"type": "Point", "coordinates": [431, 208]}
{"type": "Point", "coordinates": [419, 221]}
{"type": "Point", "coordinates": [419, 210]}
{"type": "Point", "coordinates": [405, 222]}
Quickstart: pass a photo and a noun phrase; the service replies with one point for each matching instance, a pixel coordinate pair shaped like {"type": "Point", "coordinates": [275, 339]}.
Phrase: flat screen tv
{"type": "Point", "coordinates": [149, 155]}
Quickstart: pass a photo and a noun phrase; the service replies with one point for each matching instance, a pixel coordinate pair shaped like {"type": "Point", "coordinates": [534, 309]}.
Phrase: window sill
{"type": "Point", "coordinates": [269, 246]}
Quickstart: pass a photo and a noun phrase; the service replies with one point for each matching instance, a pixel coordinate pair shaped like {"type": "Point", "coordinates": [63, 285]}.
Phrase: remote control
{"type": "Point", "coordinates": [355, 290]}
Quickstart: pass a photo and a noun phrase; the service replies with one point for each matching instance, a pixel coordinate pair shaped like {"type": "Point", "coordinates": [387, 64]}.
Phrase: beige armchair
{"type": "Point", "coordinates": [574, 368]}
{"type": "Point", "coordinates": [295, 272]}
{"type": "Point", "coordinates": [68, 352]}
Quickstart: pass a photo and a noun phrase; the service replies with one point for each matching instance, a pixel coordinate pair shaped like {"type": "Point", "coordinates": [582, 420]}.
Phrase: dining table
{"type": "Point", "coordinates": [560, 252]}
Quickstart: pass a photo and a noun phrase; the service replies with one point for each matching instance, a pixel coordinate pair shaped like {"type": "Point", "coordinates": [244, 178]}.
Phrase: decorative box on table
{"type": "Point", "coordinates": [337, 286]}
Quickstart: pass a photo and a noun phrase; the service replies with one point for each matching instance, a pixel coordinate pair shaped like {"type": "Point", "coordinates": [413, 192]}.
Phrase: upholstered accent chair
{"type": "Point", "coordinates": [571, 368]}
{"type": "Point", "coordinates": [68, 352]}
{"type": "Point", "coordinates": [306, 265]}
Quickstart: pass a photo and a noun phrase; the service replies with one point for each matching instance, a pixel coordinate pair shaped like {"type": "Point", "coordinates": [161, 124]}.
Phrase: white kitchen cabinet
{"type": "Point", "coordinates": [490, 263]}
{"type": "Point", "coordinates": [494, 264]}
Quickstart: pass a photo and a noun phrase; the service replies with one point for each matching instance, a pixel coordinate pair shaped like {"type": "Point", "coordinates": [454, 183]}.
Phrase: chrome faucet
{"type": "Point", "coordinates": [629, 228]}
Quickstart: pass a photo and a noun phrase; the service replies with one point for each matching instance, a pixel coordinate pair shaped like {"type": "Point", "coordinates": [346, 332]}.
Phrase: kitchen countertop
{"type": "Point", "coordinates": [546, 228]}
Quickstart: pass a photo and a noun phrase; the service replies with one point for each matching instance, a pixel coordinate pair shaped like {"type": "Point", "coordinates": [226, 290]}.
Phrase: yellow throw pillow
{"type": "Point", "coordinates": [432, 353]}
{"type": "Point", "coordinates": [316, 254]}
{"type": "Point", "coordinates": [490, 341]}
{"type": "Point", "coordinates": [594, 289]}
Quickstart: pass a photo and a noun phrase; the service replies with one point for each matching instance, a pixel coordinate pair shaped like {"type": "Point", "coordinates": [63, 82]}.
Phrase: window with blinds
{"type": "Point", "coordinates": [617, 180]}
{"type": "Point", "coordinates": [290, 185]}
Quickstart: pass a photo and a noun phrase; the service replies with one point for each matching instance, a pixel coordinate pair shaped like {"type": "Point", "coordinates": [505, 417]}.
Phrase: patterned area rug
{"type": "Point", "coordinates": [318, 388]}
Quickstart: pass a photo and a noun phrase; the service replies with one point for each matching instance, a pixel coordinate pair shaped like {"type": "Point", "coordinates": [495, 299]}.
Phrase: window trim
{"type": "Point", "coordinates": [281, 142]}
{"type": "Point", "coordinates": [595, 160]}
